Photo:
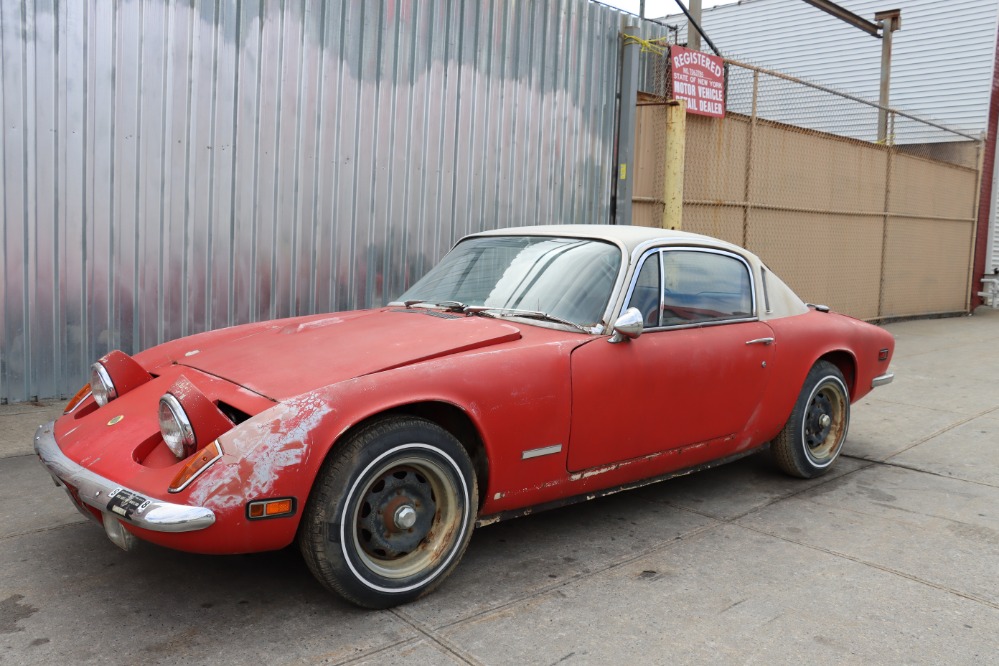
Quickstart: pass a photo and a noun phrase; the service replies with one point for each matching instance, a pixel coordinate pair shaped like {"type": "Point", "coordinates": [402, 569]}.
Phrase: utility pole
{"type": "Point", "coordinates": [885, 23]}
{"type": "Point", "coordinates": [693, 34]}
{"type": "Point", "coordinates": [889, 21]}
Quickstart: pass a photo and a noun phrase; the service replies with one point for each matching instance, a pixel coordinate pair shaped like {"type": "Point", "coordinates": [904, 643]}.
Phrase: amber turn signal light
{"type": "Point", "coordinates": [75, 401]}
{"type": "Point", "coordinates": [260, 509]}
{"type": "Point", "coordinates": [196, 466]}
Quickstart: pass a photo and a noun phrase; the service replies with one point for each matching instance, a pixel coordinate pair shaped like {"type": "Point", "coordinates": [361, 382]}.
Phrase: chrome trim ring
{"type": "Point", "coordinates": [185, 445]}
{"type": "Point", "coordinates": [882, 380]}
{"type": "Point", "coordinates": [154, 515]}
{"type": "Point", "coordinates": [104, 391]}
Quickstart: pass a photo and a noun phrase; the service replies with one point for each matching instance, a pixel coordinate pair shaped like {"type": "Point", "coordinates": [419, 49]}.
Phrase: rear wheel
{"type": "Point", "coordinates": [391, 512]}
{"type": "Point", "coordinates": [813, 436]}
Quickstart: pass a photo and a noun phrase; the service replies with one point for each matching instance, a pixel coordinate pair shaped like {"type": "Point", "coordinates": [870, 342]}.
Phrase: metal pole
{"type": "Point", "coordinates": [747, 190]}
{"type": "Point", "coordinates": [626, 125]}
{"type": "Point", "coordinates": [889, 21]}
{"type": "Point", "coordinates": [693, 35]}
{"type": "Point", "coordinates": [883, 98]}
{"type": "Point", "coordinates": [697, 26]}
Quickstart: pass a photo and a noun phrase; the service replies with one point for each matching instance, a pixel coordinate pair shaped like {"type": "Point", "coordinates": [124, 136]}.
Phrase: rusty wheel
{"type": "Point", "coordinates": [407, 513]}
{"type": "Point", "coordinates": [391, 512]}
{"type": "Point", "coordinates": [814, 434]}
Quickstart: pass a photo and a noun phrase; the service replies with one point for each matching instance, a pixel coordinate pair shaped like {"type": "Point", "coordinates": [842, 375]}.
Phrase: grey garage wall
{"type": "Point", "coordinates": [172, 167]}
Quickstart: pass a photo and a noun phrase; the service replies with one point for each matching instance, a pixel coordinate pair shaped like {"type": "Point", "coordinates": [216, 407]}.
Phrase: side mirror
{"type": "Point", "coordinates": [628, 326]}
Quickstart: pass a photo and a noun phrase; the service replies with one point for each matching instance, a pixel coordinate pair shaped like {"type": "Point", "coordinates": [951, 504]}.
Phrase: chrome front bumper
{"type": "Point", "coordinates": [881, 380]}
{"type": "Point", "coordinates": [98, 492]}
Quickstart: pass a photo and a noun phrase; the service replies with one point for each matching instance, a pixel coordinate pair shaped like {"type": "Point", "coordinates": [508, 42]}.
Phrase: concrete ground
{"type": "Point", "coordinates": [893, 557]}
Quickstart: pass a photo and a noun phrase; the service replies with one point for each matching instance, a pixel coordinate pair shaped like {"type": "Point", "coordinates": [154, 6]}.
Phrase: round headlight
{"type": "Point", "coordinates": [101, 385]}
{"type": "Point", "coordinates": [178, 433]}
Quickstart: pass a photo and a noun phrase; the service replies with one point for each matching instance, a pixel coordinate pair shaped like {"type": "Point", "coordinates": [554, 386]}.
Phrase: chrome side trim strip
{"type": "Point", "coordinates": [881, 380]}
{"type": "Point", "coordinates": [96, 491]}
{"type": "Point", "coordinates": [543, 451]}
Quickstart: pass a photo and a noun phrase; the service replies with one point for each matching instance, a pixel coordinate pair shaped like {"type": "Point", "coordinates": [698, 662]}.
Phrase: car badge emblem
{"type": "Point", "coordinates": [116, 419]}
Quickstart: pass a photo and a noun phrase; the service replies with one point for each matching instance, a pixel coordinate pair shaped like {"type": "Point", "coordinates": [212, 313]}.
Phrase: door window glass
{"type": "Point", "coordinates": [704, 286]}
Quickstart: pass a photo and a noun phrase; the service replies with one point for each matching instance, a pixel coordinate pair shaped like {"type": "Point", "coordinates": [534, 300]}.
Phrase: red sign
{"type": "Point", "coordinates": [699, 80]}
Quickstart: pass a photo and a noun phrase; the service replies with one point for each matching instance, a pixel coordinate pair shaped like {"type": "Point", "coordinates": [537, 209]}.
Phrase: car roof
{"type": "Point", "coordinates": [782, 300]}
{"type": "Point", "coordinates": [630, 237]}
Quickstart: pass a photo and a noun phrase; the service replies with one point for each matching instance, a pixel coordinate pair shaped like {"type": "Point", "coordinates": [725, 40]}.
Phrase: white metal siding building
{"type": "Point", "coordinates": [942, 58]}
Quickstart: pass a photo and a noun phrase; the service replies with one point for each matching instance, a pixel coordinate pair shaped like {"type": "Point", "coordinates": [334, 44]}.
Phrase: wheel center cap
{"type": "Point", "coordinates": [405, 517]}
{"type": "Point", "coordinates": [824, 421]}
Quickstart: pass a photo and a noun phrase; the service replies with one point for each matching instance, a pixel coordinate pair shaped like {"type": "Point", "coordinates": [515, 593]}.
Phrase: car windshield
{"type": "Point", "coordinates": [565, 278]}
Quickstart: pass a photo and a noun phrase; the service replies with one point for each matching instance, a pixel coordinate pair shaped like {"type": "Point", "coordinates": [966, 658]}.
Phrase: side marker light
{"type": "Point", "coordinates": [276, 508]}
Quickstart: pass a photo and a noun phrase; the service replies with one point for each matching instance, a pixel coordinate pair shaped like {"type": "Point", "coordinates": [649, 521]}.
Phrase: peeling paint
{"type": "Point", "coordinates": [487, 521]}
{"type": "Point", "coordinates": [310, 325]}
{"type": "Point", "coordinates": [261, 451]}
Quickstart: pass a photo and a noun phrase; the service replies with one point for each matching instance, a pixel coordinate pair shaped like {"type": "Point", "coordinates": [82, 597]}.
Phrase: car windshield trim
{"type": "Point", "coordinates": [572, 281]}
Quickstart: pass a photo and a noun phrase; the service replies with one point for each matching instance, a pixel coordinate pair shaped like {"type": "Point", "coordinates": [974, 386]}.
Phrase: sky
{"type": "Point", "coordinates": [657, 8]}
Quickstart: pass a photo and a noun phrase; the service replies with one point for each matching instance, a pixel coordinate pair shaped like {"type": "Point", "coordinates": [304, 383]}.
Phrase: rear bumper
{"type": "Point", "coordinates": [881, 380]}
{"type": "Point", "coordinates": [100, 493]}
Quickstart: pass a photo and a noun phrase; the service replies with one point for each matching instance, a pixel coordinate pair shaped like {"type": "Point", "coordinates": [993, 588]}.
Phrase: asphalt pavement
{"type": "Point", "coordinates": [893, 557]}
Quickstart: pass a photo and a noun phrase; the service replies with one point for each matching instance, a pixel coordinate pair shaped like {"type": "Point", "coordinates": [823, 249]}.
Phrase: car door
{"type": "Point", "coordinates": [690, 382]}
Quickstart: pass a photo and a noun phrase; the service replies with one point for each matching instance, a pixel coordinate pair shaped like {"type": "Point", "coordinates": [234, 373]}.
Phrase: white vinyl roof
{"type": "Point", "coordinates": [630, 237]}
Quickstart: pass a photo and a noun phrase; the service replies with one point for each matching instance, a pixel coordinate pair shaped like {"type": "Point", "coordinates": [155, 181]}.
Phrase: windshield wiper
{"type": "Point", "coordinates": [492, 311]}
{"type": "Point", "coordinates": [447, 306]}
{"type": "Point", "coordinates": [526, 314]}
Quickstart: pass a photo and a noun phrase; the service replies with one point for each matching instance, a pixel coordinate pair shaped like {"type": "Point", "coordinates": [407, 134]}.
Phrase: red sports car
{"type": "Point", "coordinates": [531, 368]}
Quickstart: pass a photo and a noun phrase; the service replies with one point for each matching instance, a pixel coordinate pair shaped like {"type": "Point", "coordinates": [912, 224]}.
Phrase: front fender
{"type": "Point", "coordinates": [521, 397]}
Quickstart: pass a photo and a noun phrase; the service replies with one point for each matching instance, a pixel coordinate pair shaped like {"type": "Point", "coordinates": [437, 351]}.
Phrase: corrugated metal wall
{"type": "Point", "coordinates": [942, 57]}
{"type": "Point", "coordinates": [172, 167]}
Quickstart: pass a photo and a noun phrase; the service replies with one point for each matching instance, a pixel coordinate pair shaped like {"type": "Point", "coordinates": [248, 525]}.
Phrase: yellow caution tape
{"type": "Point", "coordinates": [657, 46]}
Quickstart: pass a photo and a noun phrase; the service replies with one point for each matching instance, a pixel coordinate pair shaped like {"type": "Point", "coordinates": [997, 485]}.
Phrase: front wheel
{"type": "Point", "coordinates": [813, 436]}
{"type": "Point", "coordinates": [391, 512]}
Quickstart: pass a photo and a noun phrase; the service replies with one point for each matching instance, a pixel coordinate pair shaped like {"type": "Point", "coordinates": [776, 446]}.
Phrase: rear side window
{"type": "Point", "coordinates": [703, 287]}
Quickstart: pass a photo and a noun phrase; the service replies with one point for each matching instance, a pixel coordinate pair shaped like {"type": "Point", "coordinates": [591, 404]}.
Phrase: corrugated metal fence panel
{"type": "Point", "coordinates": [172, 167]}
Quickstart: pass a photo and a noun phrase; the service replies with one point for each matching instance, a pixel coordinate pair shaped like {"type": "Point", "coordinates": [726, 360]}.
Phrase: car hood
{"type": "Point", "coordinates": [285, 358]}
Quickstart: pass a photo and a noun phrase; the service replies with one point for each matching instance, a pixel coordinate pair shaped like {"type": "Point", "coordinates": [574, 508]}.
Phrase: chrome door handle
{"type": "Point", "coordinates": [760, 341]}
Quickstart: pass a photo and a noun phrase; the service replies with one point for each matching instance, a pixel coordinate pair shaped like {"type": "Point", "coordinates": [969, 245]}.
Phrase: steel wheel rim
{"type": "Point", "coordinates": [825, 422]}
{"type": "Point", "coordinates": [432, 538]}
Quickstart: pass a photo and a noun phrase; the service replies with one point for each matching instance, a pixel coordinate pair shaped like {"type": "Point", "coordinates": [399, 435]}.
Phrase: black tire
{"type": "Point", "coordinates": [391, 512]}
{"type": "Point", "coordinates": [814, 434]}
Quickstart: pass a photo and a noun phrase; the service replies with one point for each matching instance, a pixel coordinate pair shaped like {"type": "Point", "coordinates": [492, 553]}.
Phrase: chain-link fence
{"type": "Point", "coordinates": [869, 210]}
